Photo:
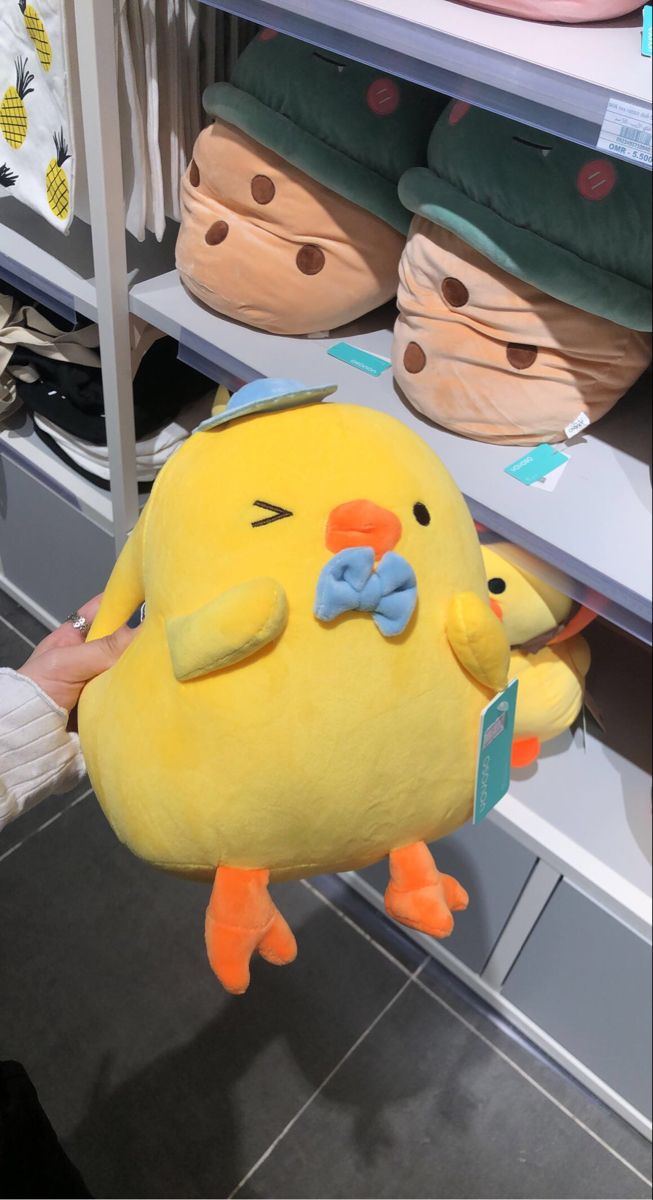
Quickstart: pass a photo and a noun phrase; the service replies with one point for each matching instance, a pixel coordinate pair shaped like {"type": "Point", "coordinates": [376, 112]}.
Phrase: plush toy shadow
{"type": "Point", "coordinates": [195, 1118]}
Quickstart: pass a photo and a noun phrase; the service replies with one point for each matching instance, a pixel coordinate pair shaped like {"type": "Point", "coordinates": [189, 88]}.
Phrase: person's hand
{"type": "Point", "coordinates": [64, 662]}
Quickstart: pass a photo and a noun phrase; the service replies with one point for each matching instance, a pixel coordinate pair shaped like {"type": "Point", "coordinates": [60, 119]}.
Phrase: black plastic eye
{"type": "Point", "coordinates": [421, 514]}
{"type": "Point", "coordinates": [497, 586]}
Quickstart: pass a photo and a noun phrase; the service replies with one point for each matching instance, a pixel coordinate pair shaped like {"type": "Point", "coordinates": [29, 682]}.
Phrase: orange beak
{"type": "Point", "coordinates": [496, 609]}
{"type": "Point", "coordinates": [362, 523]}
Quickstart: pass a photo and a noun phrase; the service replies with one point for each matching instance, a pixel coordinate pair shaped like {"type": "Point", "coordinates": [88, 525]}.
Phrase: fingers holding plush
{"type": "Point", "coordinates": [64, 661]}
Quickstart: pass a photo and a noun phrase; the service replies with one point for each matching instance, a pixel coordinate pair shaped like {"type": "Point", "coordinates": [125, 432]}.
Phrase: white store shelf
{"type": "Point", "coordinates": [575, 51]}
{"type": "Point", "coordinates": [586, 806]}
{"type": "Point", "coordinates": [56, 268]}
{"type": "Point", "coordinates": [20, 443]}
{"type": "Point", "coordinates": [53, 269]}
{"type": "Point", "coordinates": [594, 529]}
{"type": "Point", "coordinates": [586, 812]}
{"type": "Point", "coordinates": [555, 77]}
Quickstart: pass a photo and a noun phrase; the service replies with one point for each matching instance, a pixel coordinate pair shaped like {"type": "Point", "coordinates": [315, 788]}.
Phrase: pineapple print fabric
{"type": "Point", "coordinates": [13, 113]}
{"type": "Point", "coordinates": [37, 159]}
{"type": "Point", "coordinates": [38, 33]}
{"type": "Point", "coordinates": [56, 182]}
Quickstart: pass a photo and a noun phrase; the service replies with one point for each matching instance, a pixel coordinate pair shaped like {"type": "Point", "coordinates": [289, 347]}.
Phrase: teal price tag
{"type": "Point", "coordinates": [647, 30]}
{"type": "Point", "coordinates": [495, 751]}
{"type": "Point", "coordinates": [371, 364]}
{"type": "Point", "coordinates": [537, 464]}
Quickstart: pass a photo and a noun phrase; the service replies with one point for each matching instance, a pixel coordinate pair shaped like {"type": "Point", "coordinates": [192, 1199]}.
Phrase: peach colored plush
{"type": "Point", "coordinates": [570, 11]}
{"type": "Point", "coordinates": [492, 357]}
{"type": "Point", "coordinates": [263, 243]}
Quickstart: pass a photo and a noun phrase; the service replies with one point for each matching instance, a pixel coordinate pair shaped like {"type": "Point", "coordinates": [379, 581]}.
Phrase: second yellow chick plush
{"type": "Point", "coordinates": [305, 690]}
{"type": "Point", "coordinates": [549, 657]}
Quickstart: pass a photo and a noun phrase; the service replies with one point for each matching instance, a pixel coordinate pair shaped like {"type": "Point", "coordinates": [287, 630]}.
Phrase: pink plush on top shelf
{"type": "Point", "coordinates": [570, 11]}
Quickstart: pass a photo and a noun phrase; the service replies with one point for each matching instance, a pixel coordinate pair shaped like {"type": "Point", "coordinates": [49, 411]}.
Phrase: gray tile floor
{"type": "Point", "coordinates": [364, 1070]}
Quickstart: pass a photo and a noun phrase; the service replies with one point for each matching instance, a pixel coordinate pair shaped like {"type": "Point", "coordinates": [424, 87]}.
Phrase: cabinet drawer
{"type": "Point", "coordinates": [49, 550]}
{"type": "Point", "coordinates": [493, 867]}
{"type": "Point", "coordinates": [585, 979]}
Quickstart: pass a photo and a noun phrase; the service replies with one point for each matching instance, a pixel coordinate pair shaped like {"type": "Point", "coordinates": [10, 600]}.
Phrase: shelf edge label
{"type": "Point", "coordinates": [626, 131]}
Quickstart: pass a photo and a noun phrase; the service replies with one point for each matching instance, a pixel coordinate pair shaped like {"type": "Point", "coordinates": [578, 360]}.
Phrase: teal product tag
{"type": "Point", "coordinates": [647, 30]}
{"type": "Point", "coordinates": [371, 364]}
{"type": "Point", "coordinates": [495, 751]}
{"type": "Point", "coordinates": [537, 464]}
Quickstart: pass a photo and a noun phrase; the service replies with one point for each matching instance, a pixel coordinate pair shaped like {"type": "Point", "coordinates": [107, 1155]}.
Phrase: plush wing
{"type": "Point", "coordinates": [125, 589]}
{"type": "Point", "coordinates": [478, 640]}
{"type": "Point", "coordinates": [228, 629]}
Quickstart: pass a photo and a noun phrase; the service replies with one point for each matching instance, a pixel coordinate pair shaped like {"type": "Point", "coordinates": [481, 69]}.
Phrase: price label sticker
{"type": "Point", "coordinates": [371, 364]}
{"type": "Point", "coordinates": [495, 751]}
{"type": "Point", "coordinates": [550, 482]}
{"type": "Point", "coordinates": [626, 131]}
{"type": "Point", "coordinates": [575, 427]}
{"type": "Point", "coordinates": [535, 466]}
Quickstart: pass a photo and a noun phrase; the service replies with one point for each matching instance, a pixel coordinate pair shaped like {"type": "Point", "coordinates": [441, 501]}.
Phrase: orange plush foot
{"type": "Point", "coordinates": [419, 896]}
{"type": "Point", "coordinates": [241, 918]}
{"type": "Point", "coordinates": [525, 751]}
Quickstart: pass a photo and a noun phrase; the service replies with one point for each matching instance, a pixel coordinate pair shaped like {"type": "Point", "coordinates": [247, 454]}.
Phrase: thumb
{"type": "Point", "coordinates": [63, 670]}
{"type": "Point", "coordinates": [89, 659]}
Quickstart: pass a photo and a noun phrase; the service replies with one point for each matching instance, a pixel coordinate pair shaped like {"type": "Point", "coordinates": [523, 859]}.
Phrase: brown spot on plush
{"type": "Point", "coordinates": [454, 291]}
{"type": "Point", "coordinates": [194, 173]}
{"type": "Point", "coordinates": [311, 260]}
{"type": "Point", "coordinates": [263, 189]}
{"type": "Point", "coordinates": [217, 233]}
{"type": "Point", "coordinates": [414, 358]}
{"type": "Point", "coordinates": [521, 357]}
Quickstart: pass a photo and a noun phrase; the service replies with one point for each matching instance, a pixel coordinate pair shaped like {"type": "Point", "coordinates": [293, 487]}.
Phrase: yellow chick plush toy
{"type": "Point", "coordinates": [304, 693]}
{"type": "Point", "coordinates": [549, 657]}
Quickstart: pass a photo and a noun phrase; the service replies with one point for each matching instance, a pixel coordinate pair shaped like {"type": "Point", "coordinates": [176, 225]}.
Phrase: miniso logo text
{"type": "Point", "coordinates": [497, 727]}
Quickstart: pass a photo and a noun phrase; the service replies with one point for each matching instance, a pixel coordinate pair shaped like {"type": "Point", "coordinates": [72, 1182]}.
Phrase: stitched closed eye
{"type": "Point", "coordinates": [275, 513]}
{"type": "Point", "coordinates": [333, 62]}
{"type": "Point", "coordinates": [534, 145]}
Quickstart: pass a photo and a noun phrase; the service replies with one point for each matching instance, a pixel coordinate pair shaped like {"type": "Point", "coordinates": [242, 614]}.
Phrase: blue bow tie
{"type": "Point", "coordinates": [349, 583]}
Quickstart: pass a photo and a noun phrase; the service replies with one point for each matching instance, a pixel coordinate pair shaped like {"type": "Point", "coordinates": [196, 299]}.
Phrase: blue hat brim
{"type": "Point", "coordinates": [266, 396]}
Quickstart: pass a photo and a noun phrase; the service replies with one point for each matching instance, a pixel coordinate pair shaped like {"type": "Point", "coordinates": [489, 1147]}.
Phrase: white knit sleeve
{"type": "Point", "coordinates": [37, 755]}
